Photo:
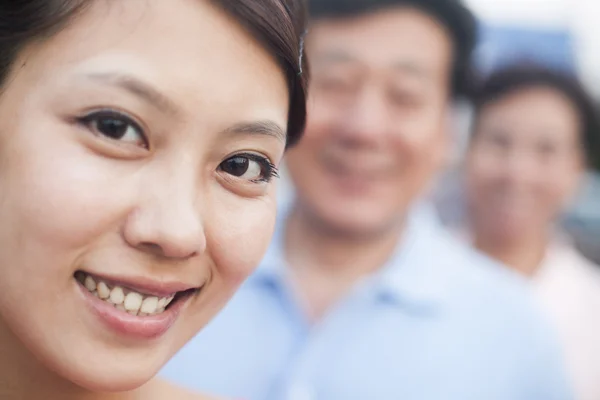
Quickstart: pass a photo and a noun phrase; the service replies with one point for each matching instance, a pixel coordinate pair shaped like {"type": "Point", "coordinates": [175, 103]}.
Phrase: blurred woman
{"type": "Point", "coordinates": [139, 143]}
{"type": "Point", "coordinates": [534, 134]}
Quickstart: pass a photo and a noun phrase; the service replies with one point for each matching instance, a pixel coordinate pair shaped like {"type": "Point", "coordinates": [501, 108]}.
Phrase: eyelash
{"type": "Point", "coordinates": [98, 115]}
{"type": "Point", "coordinates": [269, 169]}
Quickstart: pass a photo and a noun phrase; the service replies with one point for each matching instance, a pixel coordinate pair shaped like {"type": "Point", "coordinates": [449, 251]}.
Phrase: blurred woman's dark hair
{"type": "Point", "coordinates": [518, 76]}
{"type": "Point", "coordinates": [451, 14]}
{"type": "Point", "coordinates": [279, 25]}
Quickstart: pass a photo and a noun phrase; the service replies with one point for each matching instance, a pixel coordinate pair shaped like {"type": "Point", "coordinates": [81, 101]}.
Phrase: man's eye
{"type": "Point", "coordinates": [404, 99]}
{"type": "Point", "coordinates": [338, 86]}
{"type": "Point", "coordinates": [334, 84]}
{"type": "Point", "coordinates": [546, 149]}
{"type": "Point", "coordinates": [116, 126]}
{"type": "Point", "coordinates": [250, 167]}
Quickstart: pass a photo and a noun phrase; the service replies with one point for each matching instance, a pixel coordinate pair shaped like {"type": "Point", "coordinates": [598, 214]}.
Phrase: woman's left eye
{"type": "Point", "coordinates": [116, 126]}
{"type": "Point", "coordinates": [250, 167]}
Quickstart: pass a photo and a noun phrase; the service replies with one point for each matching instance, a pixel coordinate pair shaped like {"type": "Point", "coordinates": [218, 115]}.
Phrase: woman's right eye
{"type": "Point", "coordinates": [116, 126]}
{"type": "Point", "coordinates": [250, 167]}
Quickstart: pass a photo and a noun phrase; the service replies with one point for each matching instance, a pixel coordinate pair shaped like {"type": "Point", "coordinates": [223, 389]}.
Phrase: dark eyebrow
{"type": "Point", "coordinates": [266, 128]}
{"type": "Point", "coordinates": [411, 68]}
{"type": "Point", "coordinates": [337, 56]}
{"type": "Point", "coordinates": [334, 56]}
{"type": "Point", "coordinates": [138, 88]}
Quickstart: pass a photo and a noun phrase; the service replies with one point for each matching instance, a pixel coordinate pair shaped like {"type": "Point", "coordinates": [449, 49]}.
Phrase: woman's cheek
{"type": "Point", "coordinates": [75, 202]}
{"type": "Point", "coordinates": [67, 200]}
{"type": "Point", "coordinates": [238, 233]}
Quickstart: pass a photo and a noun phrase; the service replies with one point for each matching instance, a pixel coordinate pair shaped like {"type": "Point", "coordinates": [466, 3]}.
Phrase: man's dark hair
{"type": "Point", "coordinates": [451, 14]}
{"type": "Point", "coordinates": [522, 76]}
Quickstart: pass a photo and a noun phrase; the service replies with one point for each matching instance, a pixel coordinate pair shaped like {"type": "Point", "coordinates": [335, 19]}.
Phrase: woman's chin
{"type": "Point", "coordinates": [103, 373]}
{"type": "Point", "coordinates": [103, 380]}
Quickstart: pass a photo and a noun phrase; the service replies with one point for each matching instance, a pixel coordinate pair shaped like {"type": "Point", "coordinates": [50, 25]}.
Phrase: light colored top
{"type": "Point", "coordinates": [568, 287]}
{"type": "Point", "coordinates": [437, 322]}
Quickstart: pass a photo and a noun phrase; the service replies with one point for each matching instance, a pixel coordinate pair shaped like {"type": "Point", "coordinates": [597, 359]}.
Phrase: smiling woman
{"type": "Point", "coordinates": [135, 141]}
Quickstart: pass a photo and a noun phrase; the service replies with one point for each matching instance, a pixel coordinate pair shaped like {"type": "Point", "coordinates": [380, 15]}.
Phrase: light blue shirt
{"type": "Point", "coordinates": [438, 322]}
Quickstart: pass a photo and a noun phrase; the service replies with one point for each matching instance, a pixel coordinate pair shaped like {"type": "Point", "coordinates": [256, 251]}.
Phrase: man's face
{"type": "Point", "coordinates": [377, 115]}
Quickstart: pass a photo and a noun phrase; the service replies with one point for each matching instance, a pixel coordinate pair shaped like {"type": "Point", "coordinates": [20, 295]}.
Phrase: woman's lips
{"type": "Point", "coordinates": [133, 324]}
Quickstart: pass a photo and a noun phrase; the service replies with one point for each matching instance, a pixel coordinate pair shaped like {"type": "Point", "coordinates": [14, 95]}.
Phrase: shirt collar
{"type": "Point", "coordinates": [414, 276]}
{"type": "Point", "coordinates": [417, 274]}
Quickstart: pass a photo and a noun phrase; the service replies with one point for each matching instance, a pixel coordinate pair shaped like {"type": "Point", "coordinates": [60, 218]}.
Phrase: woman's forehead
{"type": "Point", "coordinates": [182, 63]}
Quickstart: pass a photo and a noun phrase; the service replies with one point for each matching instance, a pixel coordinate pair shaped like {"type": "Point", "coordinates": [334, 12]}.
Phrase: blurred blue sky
{"type": "Point", "coordinates": [501, 44]}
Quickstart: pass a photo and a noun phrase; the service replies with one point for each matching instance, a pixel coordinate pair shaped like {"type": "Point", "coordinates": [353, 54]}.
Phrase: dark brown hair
{"type": "Point", "coordinates": [279, 25]}
{"type": "Point", "coordinates": [453, 15]}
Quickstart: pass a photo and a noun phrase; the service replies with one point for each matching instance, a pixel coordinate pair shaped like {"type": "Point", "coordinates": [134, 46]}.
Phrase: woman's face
{"type": "Point", "coordinates": [137, 150]}
{"type": "Point", "coordinates": [525, 162]}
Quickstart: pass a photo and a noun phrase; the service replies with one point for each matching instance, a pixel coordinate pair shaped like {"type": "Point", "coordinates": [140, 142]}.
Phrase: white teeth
{"type": "Point", "coordinates": [125, 300]}
{"type": "Point", "coordinates": [103, 290]}
{"type": "Point", "coordinates": [149, 305]}
{"type": "Point", "coordinates": [89, 283]}
{"type": "Point", "coordinates": [133, 301]}
{"type": "Point", "coordinates": [162, 303]}
{"type": "Point", "coordinates": [117, 296]}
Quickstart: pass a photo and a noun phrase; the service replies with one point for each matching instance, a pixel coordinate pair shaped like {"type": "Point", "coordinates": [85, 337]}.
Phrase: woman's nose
{"type": "Point", "coordinates": [168, 224]}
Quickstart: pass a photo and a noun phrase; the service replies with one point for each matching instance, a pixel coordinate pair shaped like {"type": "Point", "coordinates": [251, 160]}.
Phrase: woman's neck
{"type": "Point", "coordinates": [524, 254]}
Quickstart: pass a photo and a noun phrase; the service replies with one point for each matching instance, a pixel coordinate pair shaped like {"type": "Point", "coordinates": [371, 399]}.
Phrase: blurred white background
{"type": "Point", "coordinates": [580, 19]}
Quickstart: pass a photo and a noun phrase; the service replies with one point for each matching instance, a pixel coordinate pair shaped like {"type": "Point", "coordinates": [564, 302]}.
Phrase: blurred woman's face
{"type": "Point", "coordinates": [138, 148]}
{"type": "Point", "coordinates": [524, 163]}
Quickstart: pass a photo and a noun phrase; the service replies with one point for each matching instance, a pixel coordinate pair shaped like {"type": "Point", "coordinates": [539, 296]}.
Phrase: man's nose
{"type": "Point", "coordinates": [366, 118]}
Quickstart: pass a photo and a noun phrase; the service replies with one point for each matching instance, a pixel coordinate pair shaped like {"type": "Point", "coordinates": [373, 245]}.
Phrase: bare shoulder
{"type": "Point", "coordinates": [159, 389]}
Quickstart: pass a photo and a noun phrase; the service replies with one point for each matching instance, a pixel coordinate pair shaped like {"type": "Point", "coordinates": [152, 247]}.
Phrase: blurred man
{"type": "Point", "coordinates": [361, 295]}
